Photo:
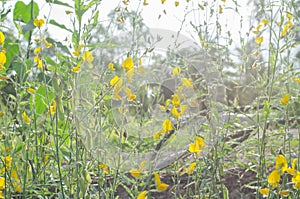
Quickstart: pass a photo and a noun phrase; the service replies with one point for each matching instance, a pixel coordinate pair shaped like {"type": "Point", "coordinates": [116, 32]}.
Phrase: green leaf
{"type": "Point", "coordinates": [12, 50]}
{"type": "Point", "coordinates": [266, 109]}
{"type": "Point", "coordinates": [40, 100]}
{"type": "Point", "coordinates": [53, 22]}
{"type": "Point", "coordinates": [22, 12]}
{"type": "Point", "coordinates": [59, 3]}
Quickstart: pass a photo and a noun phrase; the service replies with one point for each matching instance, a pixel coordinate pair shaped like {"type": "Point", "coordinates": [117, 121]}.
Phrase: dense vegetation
{"type": "Point", "coordinates": [116, 109]}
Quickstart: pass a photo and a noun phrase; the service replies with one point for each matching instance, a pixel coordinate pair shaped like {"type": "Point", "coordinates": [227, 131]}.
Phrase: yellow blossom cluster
{"type": "Point", "coordinates": [40, 45]}
{"type": "Point", "coordinates": [288, 25]}
{"type": "Point", "coordinates": [259, 40]}
{"type": "Point", "coordinates": [86, 57]}
{"type": "Point", "coordinates": [7, 168]}
{"type": "Point", "coordinates": [104, 168]}
{"type": "Point", "coordinates": [281, 167]}
{"type": "Point", "coordinates": [160, 186]}
{"type": "Point", "coordinates": [117, 82]}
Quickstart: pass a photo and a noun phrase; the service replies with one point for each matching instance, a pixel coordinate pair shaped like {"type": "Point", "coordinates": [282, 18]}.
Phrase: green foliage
{"type": "Point", "coordinates": [80, 115]}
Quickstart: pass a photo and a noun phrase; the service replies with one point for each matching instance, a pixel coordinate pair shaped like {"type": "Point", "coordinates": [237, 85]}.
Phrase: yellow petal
{"type": "Point", "coordinates": [142, 195]}
{"type": "Point", "coordinates": [167, 125]}
{"type": "Point", "coordinates": [274, 178]}
{"type": "Point", "coordinates": [162, 187]}
{"type": "Point", "coordinates": [264, 191]}
{"type": "Point", "coordinates": [194, 148]}
{"type": "Point", "coordinates": [259, 40]}
{"type": "Point", "coordinates": [128, 63]}
{"type": "Point", "coordinates": [156, 178]}
{"type": "Point", "coordinates": [114, 80]}
{"type": "Point", "coordinates": [87, 57]}
{"type": "Point", "coordinates": [135, 173]}
{"type": "Point", "coordinates": [111, 66]}
{"type": "Point", "coordinates": [31, 90]}
{"type": "Point", "coordinates": [285, 99]}
{"type": "Point", "coordinates": [2, 38]}
{"type": "Point", "coordinates": [38, 23]}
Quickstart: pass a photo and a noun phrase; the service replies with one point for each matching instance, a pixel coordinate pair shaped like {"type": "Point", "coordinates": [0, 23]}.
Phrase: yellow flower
{"type": "Point", "coordinates": [288, 24]}
{"type": "Point", "coordinates": [284, 192]}
{"type": "Point", "coordinates": [7, 161]}
{"type": "Point", "coordinates": [2, 38]}
{"type": "Point", "coordinates": [259, 40]}
{"type": "Point", "coordinates": [175, 112]}
{"type": "Point", "coordinates": [145, 3]}
{"type": "Point", "coordinates": [264, 191]}
{"type": "Point", "coordinates": [292, 170]}
{"type": "Point", "coordinates": [2, 184]}
{"type": "Point", "coordinates": [188, 83]}
{"type": "Point", "coordinates": [40, 64]}
{"type": "Point", "coordinates": [36, 59]}
{"type": "Point", "coordinates": [297, 185]}
{"type": "Point", "coordinates": [114, 80]}
{"type": "Point", "coordinates": [191, 168]}
{"type": "Point", "coordinates": [289, 16]}
{"type": "Point", "coordinates": [296, 177]}
{"type": "Point", "coordinates": [2, 59]}
{"type": "Point", "coordinates": [129, 94]}
{"type": "Point", "coordinates": [2, 113]}
{"type": "Point", "coordinates": [104, 167]}
{"type": "Point", "coordinates": [48, 44]}
{"type": "Point", "coordinates": [142, 195]}
{"type": "Point", "coordinates": [38, 23]}
{"type": "Point", "coordinates": [76, 68]}
{"type": "Point", "coordinates": [220, 9]}
{"type": "Point", "coordinates": [175, 100]}
{"type": "Point", "coordinates": [163, 1]}
{"type": "Point", "coordinates": [1, 195]}
{"type": "Point", "coordinates": [176, 3]}
{"type": "Point", "coordinates": [77, 52]}
{"type": "Point", "coordinates": [87, 57]}
{"type": "Point", "coordinates": [26, 118]}
{"type": "Point", "coordinates": [281, 163]}
{"type": "Point", "coordinates": [158, 134]}
{"type": "Point", "coordinates": [137, 172]}
{"type": "Point", "coordinates": [14, 175]}
{"type": "Point", "coordinates": [256, 30]}
{"type": "Point", "coordinates": [265, 22]}
{"type": "Point", "coordinates": [167, 125]}
{"type": "Point", "coordinates": [274, 178]}
{"type": "Point", "coordinates": [297, 79]}
{"type": "Point", "coordinates": [18, 188]}
{"type": "Point", "coordinates": [31, 90]}
{"type": "Point", "coordinates": [111, 66]}
{"type": "Point", "coordinates": [128, 63]}
{"type": "Point", "coordinates": [37, 50]}
{"type": "Point", "coordinates": [162, 187]}
{"type": "Point", "coordinates": [159, 185]}
{"type": "Point", "coordinates": [39, 61]}
{"type": "Point", "coordinates": [117, 83]}
{"type": "Point", "coordinates": [52, 108]}
{"type": "Point", "coordinates": [197, 146]}
{"type": "Point", "coordinates": [285, 99]}
{"type": "Point", "coordinates": [284, 31]}
{"type": "Point", "coordinates": [176, 71]}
